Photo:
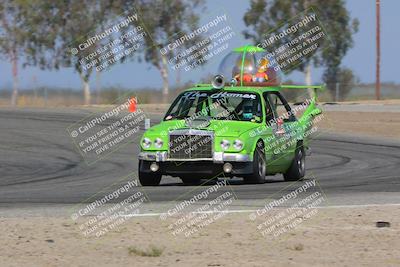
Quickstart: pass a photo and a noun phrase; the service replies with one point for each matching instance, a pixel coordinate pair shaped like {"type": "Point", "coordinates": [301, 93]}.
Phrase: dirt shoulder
{"type": "Point", "coordinates": [378, 102]}
{"type": "Point", "coordinates": [374, 124]}
{"type": "Point", "coordinates": [331, 237]}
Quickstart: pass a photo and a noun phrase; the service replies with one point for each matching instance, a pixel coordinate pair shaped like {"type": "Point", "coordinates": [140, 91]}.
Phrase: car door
{"type": "Point", "coordinates": [284, 129]}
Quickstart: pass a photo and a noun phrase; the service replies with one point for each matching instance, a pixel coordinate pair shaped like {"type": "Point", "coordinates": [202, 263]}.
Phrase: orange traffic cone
{"type": "Point", "coordinates": [132, 104]}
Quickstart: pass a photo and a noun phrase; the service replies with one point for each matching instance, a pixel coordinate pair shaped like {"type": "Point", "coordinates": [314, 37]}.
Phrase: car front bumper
{"type": "Point", "coordinates": [241, 164]}
{"type": "Point", "coordinates": [218, 157]}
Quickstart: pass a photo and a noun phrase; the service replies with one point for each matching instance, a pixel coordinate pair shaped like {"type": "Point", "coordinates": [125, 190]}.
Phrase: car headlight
{"type": "Point", "coordinates": [146, 142]}
{"type": "Point", "coordinates": [237, 144]}
{"type": "Point", "coordinates": [225, 144]}
{"type": "Point", "coordinates": [158, 143]}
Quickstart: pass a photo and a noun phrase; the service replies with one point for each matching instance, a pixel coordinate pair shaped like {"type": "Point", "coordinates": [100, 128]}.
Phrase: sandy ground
{"type": "Point", "coordinates": [379, 102]}
{"type": "Point", "coordinates": [377, 124]}
{"type": "Point", "coordinates": [331, 237]}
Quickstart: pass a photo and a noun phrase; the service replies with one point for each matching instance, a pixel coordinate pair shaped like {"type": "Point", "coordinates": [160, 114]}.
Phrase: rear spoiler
{"type": "Point", "coordinates": [312, 109]}
{"type": "Point", "coordinates": [315, 88]}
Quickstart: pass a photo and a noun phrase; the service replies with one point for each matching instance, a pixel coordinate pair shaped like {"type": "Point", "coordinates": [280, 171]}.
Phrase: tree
{"type": "Point", "coordinates": [165, 21]}
{"type": "Point", "coordinates": [264, 16]}
{"type": "Point", "coordinates": [344, 81]}
{"type": "Point", "coordinates": [75, 21]}
{"type": "Point", "coordinates": [12, 38]}
{"type": "Point", "coordinates": [58, 28]}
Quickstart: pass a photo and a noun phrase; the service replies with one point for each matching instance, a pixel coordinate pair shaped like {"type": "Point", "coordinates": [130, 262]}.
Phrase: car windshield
{"type": "Point", "coordinates": [217, 105]}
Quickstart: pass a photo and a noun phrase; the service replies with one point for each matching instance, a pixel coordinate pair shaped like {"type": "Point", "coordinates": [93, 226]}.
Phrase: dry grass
{"type": "Point", "coordinates": [152, 251]}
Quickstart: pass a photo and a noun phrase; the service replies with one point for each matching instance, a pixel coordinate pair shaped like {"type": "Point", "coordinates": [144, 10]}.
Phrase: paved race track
{"type": "Point", "coordinates": [39, 164]}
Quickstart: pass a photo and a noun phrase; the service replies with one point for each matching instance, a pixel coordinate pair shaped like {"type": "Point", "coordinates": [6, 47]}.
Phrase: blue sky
{"type": "Point", "coordinates": [361, 58]}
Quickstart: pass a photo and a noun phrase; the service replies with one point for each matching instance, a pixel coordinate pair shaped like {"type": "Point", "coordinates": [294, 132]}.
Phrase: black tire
{"type": "Point", "coordinates": [149, 178]}
{"type": "Point", "coordinates": [297, 169]}
{"type": "Point", "coordinates": [259, 166]}
{"type": "Point", "coordinates": [190, 180]}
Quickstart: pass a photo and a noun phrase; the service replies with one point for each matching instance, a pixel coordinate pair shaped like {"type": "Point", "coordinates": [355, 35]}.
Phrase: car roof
{"type": "Point", "coordinates": [248, 89]}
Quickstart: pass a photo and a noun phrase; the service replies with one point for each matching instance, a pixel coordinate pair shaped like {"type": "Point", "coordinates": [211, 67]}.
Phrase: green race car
{"type": "Point", "coordinates": [242, 128]}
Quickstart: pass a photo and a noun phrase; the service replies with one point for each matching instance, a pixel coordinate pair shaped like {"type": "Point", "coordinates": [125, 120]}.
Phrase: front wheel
{"type": "Point", "coordinates": [297, 169]}
{"type": "Point", "coordinates": [149, 178]}
{"type": "Point", "coordinates": [259, 166]}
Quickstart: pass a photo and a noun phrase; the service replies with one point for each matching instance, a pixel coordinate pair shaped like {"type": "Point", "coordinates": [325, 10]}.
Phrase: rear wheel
{"type": "Point", "coordinates": [297, 169]}
{"type": "Point", "coordinates": [149, 178]}
{"type": "Point", "coordinates": [259, 166]}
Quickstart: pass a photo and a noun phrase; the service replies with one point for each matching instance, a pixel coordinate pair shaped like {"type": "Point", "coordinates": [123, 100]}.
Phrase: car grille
{"type": "Point", "coordinates": [191, 144]}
